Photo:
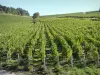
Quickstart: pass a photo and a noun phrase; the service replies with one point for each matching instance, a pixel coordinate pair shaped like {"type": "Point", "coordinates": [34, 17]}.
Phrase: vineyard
{"type": "Point", "coordinates": [57, 45]}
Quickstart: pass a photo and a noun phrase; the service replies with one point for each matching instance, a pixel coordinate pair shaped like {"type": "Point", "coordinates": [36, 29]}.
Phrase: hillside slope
{"type": "Point", "coordinates": [78, 14]}
{"type": "Point", "coordinates": [52, 46]}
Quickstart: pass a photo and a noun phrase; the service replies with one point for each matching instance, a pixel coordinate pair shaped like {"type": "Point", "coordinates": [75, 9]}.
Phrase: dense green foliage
{"type": "Point", "coordinates": [35, 15]}
{"type": "Point", "coordinates": [14, 11]}
{"type": "Point", "coordinates": [57, 46]}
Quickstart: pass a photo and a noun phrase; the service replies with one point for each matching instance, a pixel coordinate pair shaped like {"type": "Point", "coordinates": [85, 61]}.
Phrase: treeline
{"type": "Point", "coordinates": [14, 11]}
{"type": "Point", "coordinates": [81, 17]}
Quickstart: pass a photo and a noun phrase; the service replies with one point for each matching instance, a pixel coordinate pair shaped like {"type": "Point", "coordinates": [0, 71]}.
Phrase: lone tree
{"type": "Point", "coordinates": [35, 16]}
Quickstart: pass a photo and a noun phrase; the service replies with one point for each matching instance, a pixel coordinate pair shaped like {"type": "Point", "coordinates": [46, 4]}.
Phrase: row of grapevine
{"type": "Point", "coordinates": [76, 43]}
{"type": "Point", "coordinates": [54, 48]}
{"type": "Point", "coordinates": [51, 43]}
{"type": "Point", "coordinates": [66, 49]}
{"type": "Point", "coordinates": [42, 46]}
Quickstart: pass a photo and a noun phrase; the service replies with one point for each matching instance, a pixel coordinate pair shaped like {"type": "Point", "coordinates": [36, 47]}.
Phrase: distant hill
{"type": "Point", "coordinates": [90, 14]}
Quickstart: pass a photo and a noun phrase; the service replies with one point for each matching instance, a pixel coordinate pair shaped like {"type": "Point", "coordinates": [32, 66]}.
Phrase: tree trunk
{"type": "Point", "coordinates": [98, 62]}
{"type": "Point", "coordinates": [84, 60]}
{"type": "Point", "coordinates": [71, 61]}
{"type": "Point", "coordinates": [45, 62]}
{"type": "Point", "coordinates": [58, 60]}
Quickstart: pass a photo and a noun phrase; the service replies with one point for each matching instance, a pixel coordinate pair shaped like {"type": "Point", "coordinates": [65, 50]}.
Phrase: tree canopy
{"type": "Point", "coordinates": [35, 15]}
{"type": "Point", "coordinates": [14, 11]}
{"type": "Point", "coordinates": [99, 9]}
